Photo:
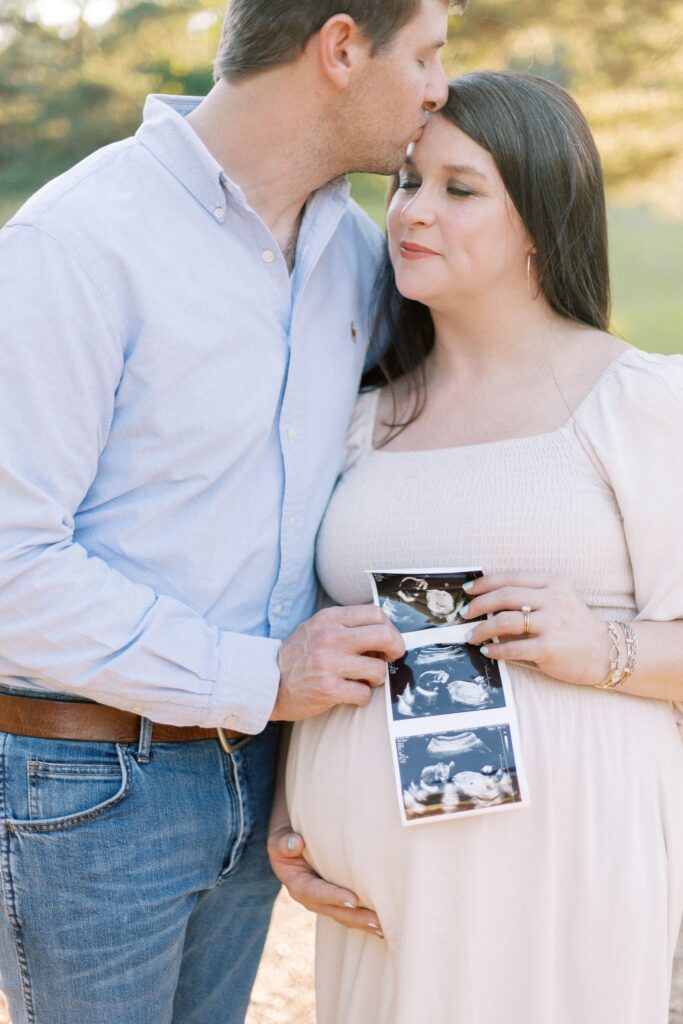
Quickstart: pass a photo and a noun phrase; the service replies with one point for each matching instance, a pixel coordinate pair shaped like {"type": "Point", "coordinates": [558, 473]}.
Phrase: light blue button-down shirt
{"type": "Point", "coordinates": [173, 410]}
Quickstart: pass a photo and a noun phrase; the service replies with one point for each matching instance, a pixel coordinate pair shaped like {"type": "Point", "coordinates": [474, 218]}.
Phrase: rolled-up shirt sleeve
{"type": "Point", "coordinates": [69, 621]}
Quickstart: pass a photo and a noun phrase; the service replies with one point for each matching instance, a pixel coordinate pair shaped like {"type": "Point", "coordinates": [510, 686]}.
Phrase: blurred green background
{"type": "Point", "coordinates": [74, 73]}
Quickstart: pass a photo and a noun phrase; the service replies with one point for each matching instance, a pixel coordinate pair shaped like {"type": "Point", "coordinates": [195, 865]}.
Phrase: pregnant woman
{"type": "Point", "coordinates": [506, 428]}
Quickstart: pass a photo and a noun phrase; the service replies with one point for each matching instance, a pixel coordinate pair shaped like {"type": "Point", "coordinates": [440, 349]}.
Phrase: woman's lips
{"type": "Point", "coordinates": [411, 251]}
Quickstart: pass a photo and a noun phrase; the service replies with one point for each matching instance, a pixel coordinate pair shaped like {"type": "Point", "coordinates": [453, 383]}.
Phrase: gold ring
{"type": "Point", "coordinates": [526, 612]}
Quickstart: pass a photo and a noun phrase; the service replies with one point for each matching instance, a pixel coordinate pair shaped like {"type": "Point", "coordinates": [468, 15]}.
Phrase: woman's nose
{"type": "Point", "coordinates": [418, 210]}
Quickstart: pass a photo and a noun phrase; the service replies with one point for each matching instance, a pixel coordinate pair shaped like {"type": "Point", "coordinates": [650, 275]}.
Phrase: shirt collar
{"type": "Point", "coordinates": [177, 146]}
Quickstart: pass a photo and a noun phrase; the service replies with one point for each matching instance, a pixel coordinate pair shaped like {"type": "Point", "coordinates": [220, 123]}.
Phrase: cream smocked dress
{"type": "Point", "coordinates": [565, 912]}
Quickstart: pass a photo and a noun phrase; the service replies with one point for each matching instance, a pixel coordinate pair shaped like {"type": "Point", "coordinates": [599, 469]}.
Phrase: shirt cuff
{"type": "Point", "coordinates": [246, 683]}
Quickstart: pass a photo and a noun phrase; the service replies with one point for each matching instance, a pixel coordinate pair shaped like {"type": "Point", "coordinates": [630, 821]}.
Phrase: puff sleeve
{"type": "Point", "coordinates": [361, 428]}
{"type": "Point", "coordinates": [632, 428]}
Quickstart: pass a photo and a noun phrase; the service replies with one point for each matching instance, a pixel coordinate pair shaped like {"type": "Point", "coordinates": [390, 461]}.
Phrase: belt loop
{"type": "Point", "coordinates": [144, 741]}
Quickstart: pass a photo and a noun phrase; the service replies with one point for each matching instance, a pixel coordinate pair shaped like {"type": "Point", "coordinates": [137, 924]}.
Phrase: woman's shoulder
{"type": "Point", "coordinates": [632, 417]}
{"type": "Point", "coordinates": [651, 369]}
{"type": "Point", "coordinates": [635, 384]}
{"type": "Point", "coordinates": [361, 426]}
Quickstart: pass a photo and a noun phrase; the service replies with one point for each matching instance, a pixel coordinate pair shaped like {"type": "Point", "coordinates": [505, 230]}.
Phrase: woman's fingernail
{"type": "Point", "coordinates": [468, 585]}
{"type": "Point", "coordinates": [380, 935]}
{"type": "Point", "coordinates": [371, 924]}
{"type": "Point", "coordinates": [469, 634]}
{"type": "Point", "coordinates": [291, 843]}
{"type": "Point", "coordinates": [485, 650]}
{"type": "Point", "coordinates": [349, 904]}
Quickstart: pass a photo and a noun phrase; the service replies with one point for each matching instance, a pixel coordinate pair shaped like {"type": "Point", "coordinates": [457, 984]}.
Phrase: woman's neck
{"type": "Point", "coordinates": [493, 340]}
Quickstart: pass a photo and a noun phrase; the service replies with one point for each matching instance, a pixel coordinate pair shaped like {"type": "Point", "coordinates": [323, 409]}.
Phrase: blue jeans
{"type": "Point", "coordinates": [133, 892]}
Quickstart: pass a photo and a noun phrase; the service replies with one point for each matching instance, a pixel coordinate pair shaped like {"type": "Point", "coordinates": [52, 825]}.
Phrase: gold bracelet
{"type": "Point", "coordinates": [614, 672]}
{"type": "Point", "coordinates": [631, 651]}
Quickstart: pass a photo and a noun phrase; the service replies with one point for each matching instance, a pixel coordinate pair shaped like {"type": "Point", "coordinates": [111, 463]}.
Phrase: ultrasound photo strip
{"type": "Point", "coordinates": [452, 721]}
{"type": "Point", "coordinates": [419, 600]}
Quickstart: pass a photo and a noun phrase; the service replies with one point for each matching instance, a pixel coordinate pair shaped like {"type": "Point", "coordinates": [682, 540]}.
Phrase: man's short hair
{"type": "Point", "coordinates": [262, 34]}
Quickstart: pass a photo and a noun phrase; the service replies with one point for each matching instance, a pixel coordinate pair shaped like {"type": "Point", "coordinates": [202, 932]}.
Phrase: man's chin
{"type": "Point", "coordinates": [389, 163]}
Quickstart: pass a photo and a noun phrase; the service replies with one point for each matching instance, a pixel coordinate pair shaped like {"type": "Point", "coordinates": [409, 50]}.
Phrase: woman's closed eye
{"type": "Point", "coordinates": [411, 184]}
{"type": "Point", "coordinates": [460, 190]}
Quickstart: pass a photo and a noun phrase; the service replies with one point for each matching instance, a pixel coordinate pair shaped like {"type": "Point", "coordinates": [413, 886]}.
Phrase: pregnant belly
{"type": "Point", "coordinates": [620, 755]}
{"type": "Point", "coordinates": [342, 795]}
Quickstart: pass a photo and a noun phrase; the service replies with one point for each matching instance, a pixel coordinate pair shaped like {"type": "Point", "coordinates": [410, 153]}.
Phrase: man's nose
{"type": "Point", "coordinates": [436, 93]}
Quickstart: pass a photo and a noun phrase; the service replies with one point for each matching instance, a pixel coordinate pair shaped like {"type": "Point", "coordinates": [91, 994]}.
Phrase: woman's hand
{"type": "Point", "coordinates": [285, 850]}
{"type": "Point", "coordinates": [565, 639]}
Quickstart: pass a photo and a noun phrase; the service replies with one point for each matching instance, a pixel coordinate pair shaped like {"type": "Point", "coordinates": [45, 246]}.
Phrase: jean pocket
{"type": "Point", "coordinates": [63, 795]}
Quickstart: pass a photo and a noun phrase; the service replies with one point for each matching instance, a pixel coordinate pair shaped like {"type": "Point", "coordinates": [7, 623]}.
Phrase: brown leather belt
{"type": "Point", "coordinates": [67, 720]}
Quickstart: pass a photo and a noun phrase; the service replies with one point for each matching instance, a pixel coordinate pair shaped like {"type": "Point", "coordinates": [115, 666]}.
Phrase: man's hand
{"type": "Point", "coordinates": [327, 661]}
{"type": "Point", "coordinates": [285, 850]}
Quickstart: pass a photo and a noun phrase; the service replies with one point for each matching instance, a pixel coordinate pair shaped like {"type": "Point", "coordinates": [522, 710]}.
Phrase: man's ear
{"type": "Point", "coordinates": [342, 49]}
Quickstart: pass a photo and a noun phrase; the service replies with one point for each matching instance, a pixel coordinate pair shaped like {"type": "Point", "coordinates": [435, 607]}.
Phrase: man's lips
{"type": "Point", "coordinates": [412, 251]}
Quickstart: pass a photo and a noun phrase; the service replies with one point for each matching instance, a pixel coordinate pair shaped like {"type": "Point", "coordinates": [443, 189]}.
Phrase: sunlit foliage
{"type": "Point", "coordinates": [68, 86]}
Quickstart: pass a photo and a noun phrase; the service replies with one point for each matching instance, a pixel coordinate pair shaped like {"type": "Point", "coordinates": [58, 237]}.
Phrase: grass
{"type": "Point", "coordinates": [646, 258]}
{"type": "Point", "coordinates": [9, 204]}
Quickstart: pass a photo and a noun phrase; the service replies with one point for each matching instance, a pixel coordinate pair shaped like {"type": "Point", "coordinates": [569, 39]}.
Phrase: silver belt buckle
{"type": "Point", "coordinates": [231, 746]}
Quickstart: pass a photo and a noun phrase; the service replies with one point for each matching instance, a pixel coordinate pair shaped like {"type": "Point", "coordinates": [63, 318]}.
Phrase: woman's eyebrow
{"type": "Point", "coordinates": [463, 169]}
{"type": "Point", "coordinates": [410, 164]}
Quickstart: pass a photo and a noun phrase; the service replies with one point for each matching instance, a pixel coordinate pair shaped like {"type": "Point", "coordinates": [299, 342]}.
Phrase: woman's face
{"type": "Point", "coordinates": [454, 234]}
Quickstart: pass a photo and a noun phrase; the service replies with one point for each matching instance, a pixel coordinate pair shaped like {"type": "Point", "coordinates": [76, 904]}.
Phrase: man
{"type": "Point", "coordinates": [185, 319]}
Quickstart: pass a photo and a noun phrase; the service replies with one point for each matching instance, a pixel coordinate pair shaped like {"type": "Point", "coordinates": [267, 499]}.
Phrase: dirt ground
{"type": "Point", "coordinates": [283, 993]}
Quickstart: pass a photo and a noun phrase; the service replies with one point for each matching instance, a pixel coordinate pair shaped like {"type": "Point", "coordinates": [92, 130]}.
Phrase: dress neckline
{"type": "Point", "coordinates": [545, 435]}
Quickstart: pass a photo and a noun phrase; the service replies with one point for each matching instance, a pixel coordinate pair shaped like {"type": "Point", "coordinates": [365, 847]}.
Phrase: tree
{"type": "Point", "coordinates": [622, 63]}
{"type": "Point", "coordinates": [68, 89]}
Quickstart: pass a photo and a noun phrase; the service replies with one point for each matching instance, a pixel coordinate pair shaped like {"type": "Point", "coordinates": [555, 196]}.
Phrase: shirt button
{"type": "Point", "coordinates": [293, 522]}
{"type": "Point", "coordinates": [230, 720]}
{"type": "Point", "coordinates": [278, 609]}
{"type": "Point", "coordinates": [268, 256]}
{"type": "Point", "coordinates": [136, 710]}
{"type": "Point", "coordinates": [292, 433]}
{"type": "Point", "coordinates": [219, 213]}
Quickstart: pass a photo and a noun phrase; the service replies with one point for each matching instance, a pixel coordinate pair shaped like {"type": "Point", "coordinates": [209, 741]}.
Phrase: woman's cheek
{"type": "Point", "coordinates": [393, 231]}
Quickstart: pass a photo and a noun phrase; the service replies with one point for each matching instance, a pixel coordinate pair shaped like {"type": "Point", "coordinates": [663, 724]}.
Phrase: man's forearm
{"type": "Point", "coordinates": [72, 623]}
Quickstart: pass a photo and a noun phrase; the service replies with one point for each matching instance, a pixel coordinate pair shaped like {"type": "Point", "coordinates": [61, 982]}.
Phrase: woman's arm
{"type": "Point", "coordinates": [659, 669]}
{"type": "Point", "coordinates": [566, 639]}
